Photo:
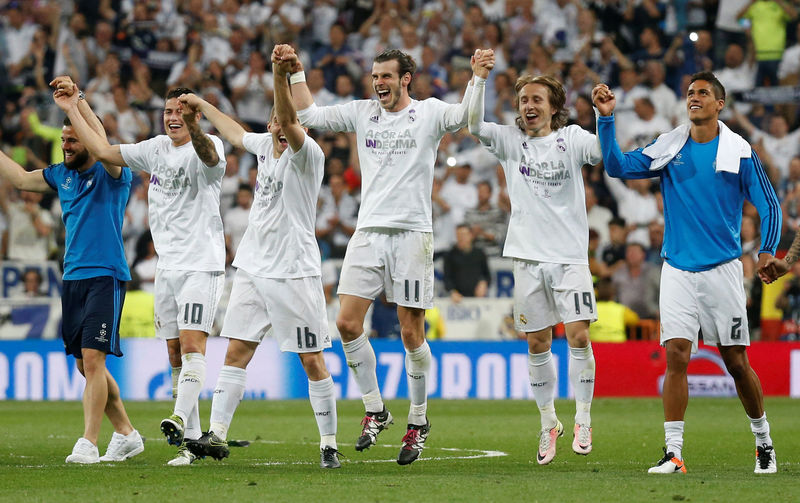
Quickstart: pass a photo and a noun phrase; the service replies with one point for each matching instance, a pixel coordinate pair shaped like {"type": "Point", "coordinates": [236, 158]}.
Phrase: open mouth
{"type": "Point", "coordinates": [695, 107]}
{"type": "Point", "coordinates": [174, 127]}
{"type": "Point", "coordinates": [383, 94]}
{"type": "Point", "coordinates": [282, 140]}
{"type": "Point", "coordinates": [530, 116]}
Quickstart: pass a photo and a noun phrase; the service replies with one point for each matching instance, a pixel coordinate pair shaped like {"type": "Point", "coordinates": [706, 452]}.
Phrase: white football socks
{"type": "Point", "coordinates": [190, 383]}
{"type": "Point", "coordinates": [542, 373]}
{"type": "Point", "coordinates": [227, 395]}
{"type": "Point", "coordinates": [760, 428]}
{"type": "Point", "coordinates": [673, 437]}
{"type": "Point", "coordinates": [176, 373]}
{"type": "Point", "coordinates": [418, 362]}
{"type": "Point", "coordinates": [323, 402]}
{"type": "Point", "coordinates": [361, 360]}
{"type": "Point", "coordinates": [581, 376]}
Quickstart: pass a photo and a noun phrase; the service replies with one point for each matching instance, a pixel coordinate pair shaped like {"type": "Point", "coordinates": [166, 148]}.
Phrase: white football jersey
{"type": "Point", "coordinates": [548, 207]}
{"type": "Point", "coordinates": [183, 203]}
{"type": "Point", "coordinates": [279, 241]}
{"type": "Point", "coordinates": [396, 152]}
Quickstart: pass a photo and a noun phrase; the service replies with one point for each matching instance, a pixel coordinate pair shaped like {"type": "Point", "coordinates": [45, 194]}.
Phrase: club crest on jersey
{"type": "Point", "coordinates": [523, 319]}
{"type": "Point", "coordinates": [374, 119]}
{"type": "Point", "coordinates": [561, 145]}
{"type": "Point", "coordinates": [412, 115]}
{"type": "Point", "coordinates": [262, 158]}
{"type": "Point", "coordinates": [525, 145]}
{"type": "Point", "coordinates": [67, 183]}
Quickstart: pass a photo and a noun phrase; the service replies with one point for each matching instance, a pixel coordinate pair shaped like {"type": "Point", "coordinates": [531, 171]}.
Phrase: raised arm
{"type": "Point", "coordinates": [630, 165]}
{"type": "Point", "coordinates": [301, 95]}
{"type": "Point", "coordinates": [32, 181]}
{"type": "Point", "coordinates": [227, 127]}
{"type": "Point", "coordinates": [284, 108]}
{"type": "Point", "coordinates": [96, 144]}
{"type": "Point", "coordinates": [202, 144]}
{"type": "Point", "coordinates": [481, 65]}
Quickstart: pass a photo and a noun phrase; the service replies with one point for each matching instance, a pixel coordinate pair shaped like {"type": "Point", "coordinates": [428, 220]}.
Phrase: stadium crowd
{"type": "Point", "coordinates": [126, 54]}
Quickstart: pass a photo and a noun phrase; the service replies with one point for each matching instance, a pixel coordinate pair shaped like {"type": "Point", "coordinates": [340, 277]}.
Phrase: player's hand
{"type": "Point", "coordinates": [191, 102]}
{"type": "Point", "coordinates": [770, 268]}
{"type": "Point", "coordinates": [604, 99]}
{"type": "Point", "coordinates": [189, 107]}
{"type": "Point", "coordinates": [65, 92]}
{"type": "Point", "coordinates": [284, 59]}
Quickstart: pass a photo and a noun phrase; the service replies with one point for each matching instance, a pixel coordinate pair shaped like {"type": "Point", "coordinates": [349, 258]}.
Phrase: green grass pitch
{"type": "Point", "coordinates": [477, 451]}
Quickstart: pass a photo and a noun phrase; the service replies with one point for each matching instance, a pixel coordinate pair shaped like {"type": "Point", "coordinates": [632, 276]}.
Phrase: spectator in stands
{"type": "Point", "coordinates": [789, 67]}
{"type": "Point", "coordinates": [738, 74]}
{"type": "Point", "coordinates": [788, 301]}
{"type": "Point", "coordinates": [637, 282]}
{"type": "Point", "coordinates": [337, 58]}
{"type": "Point", "coordinates": [613, 318]}
{"type": "Point", "coordinates": [444, 228]}
{"type": "Point", "coordinates": [466, 270]}
{"type": "Point", "coordinates": [781, 144]}
{"type": "Point", "coordinates": [253, 94]}
{"type": "Point", "coordinates": [235, 220]}
{"type": "Point", "coordinates": [662, 96]}
{"type": "Point", "coordinates": [145, 263]}
{"type": "Point", "coordinates": [32, 283]}
{"type": "Point", "coordinates": [138, 311]}
{"type": "Point", "coordinates": [768, 20]}
{"type": "Point", "coordinates": [656, 233]}
{"type": "Point", "coordinates": [336, 216]}
{"type": "Point", "coordinates": [627, 93]}
{"type": "Point", "coordinates": [788, 183]}
{"type": "Point", "coordinates": [316, 84]}
{"type": "Point", "coordinates": [29, 225]}
{"type": "Point", "coordinates": [488, 223]}
{"type": "Point", "coordinates": [459, 193]}
{"type": "Point", "coordinates": [613, 254]}
{"type": "Point", "coordinates": [636, 204]}
{"type": "Point", "coordinates": [17, 35]}
{"type": "Point", "coordinates": [598, 217]}
{"type": "Point", "coordinates": [644, 128]}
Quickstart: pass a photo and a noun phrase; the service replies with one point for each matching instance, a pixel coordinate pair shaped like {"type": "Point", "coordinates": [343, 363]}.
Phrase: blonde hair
{"type": "Point", "coordinates": [555, 94]}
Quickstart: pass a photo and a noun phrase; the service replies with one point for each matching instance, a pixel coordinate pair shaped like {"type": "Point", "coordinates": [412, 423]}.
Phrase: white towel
{"type": "Point", "coordinates": [732, 148]}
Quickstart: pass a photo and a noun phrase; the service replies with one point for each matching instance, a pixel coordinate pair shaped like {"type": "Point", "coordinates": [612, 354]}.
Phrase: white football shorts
{"type": "Point", "coordinates": [294, 308]}
{"type": "Point", "coordinates": [712, 301]}
{"type": "Point", "coordinates": [396, 261]}
{"type": "Point", "coordinates": [546, 294]}
{"type": "Point", "coordinates": [186, 300]}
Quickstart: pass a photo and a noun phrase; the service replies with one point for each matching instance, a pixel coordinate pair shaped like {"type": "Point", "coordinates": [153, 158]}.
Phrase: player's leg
{"type": "Point", "coordinates": [581, 377]}
{"type": "Point", "coordinates": [197, 296]}
{"type": "Point", "coordinates": [535, 314]}
{"type": "Point", "coordinates": [680, 311]}
{"type": "Point", "coordinates": [732, 337]}
{"type": "Point", "coordinates": [95, 395]}
{"type": "Point", "coordinates": [410, 285]}
{"type": "Point", "coordinates": [247, 320]}
{"type": "Point", "coordinates": [361, 280]}
{"type": "Point", "coordinates": [322, 396]}
{"type": "Point", "coordinates": [574, 295]}
{"type": "Point", "coordinates": [108, 295]}
{"type": "Point", "coordinates": [418, 363]}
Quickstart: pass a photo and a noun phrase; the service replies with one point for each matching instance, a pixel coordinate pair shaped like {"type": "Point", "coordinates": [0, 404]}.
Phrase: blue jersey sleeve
{"type": "Point", "coordinates": [630, 165]}
{"type": "Point", "coordinates": [50, 175]}
{"type": "Point", "coordinates": [758, 190]}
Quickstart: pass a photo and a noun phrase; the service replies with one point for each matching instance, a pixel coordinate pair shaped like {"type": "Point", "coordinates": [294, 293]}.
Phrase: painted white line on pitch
{"type": "Point", "coordinates": [477, 453]}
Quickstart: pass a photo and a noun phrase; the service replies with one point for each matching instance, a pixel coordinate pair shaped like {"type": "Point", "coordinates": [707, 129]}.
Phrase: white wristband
{"type": "Point", "coordinates": [480, 81]}
{"type": "Point", "coordinates": [297, 77]}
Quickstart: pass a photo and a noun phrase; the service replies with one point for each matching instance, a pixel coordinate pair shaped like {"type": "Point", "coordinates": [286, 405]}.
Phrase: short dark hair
{"type": "Point", "coordinates": [177, 91]}
{"type": "Point", "coordinates": [618, 221]}
{"type": "Point", "coordinates": [405, 63]}
{"type": "Point", "coordinates": [68, 122]}
{"type": "Point", "coordinates": [719, 89]}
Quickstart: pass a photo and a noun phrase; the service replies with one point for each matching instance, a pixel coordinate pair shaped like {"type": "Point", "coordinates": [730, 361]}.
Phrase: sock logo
{"type": "Point", "coordinates": [584, 380]}
{"type": "Point", "coordinates": [354, 365]}
{"type": "Point", "coordinates": [324, 413]}
{"type": "Point", "coordinates": [538, 384]}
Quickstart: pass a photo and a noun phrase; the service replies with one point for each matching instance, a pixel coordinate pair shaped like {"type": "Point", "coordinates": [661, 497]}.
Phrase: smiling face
{"type": "Point", "coordinates": [701, 102]}
{"type": "Point", "coordinates": [274, 127]}
{"type": "Point", "coordinates": [75, 154]}
{"type": "Point", "coordinates": [173, 122]}
{"type": "Point", "coordinates": [389, 86]}
{"type": "Point", "coordinates": [535, 110]}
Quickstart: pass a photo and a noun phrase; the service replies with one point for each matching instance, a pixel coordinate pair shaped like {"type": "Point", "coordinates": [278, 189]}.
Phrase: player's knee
{"type": "Point", "coordinates": [738, 368]}
{"type": "Point", "coordinates": [314, 365]}
{"type": "Point", "coordinates": [677, 358]}
{"type": "Point", "coordinates": [349, 328]}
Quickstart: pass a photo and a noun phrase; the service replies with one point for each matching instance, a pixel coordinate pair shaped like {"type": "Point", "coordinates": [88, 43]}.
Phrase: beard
{"type": "Point", "coordinates": [78, 160]}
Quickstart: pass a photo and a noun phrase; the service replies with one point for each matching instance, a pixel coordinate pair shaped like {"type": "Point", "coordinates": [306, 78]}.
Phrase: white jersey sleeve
{"type": "Point", "coordinates": [138, 156]}
{"type": "Point", "coordinates": [335, 117]}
